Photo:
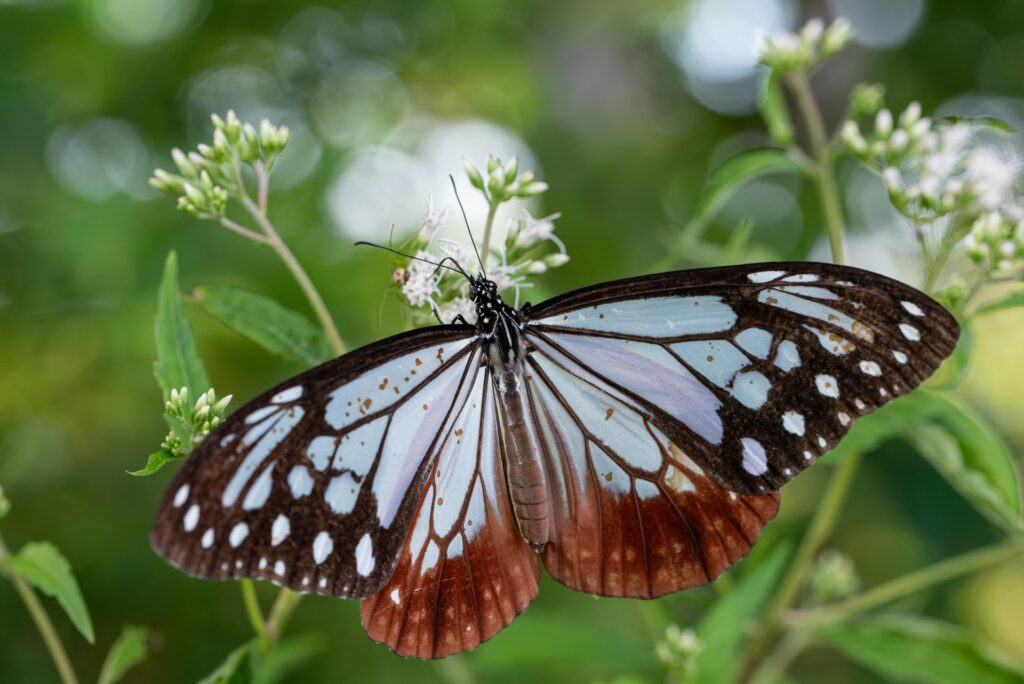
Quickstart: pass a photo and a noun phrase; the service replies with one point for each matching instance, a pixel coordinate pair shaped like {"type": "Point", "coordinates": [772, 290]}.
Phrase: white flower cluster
{"type": "Point", "coordinates": [442, 292]}
{"type": "Point", "coordinates": [196, 420]}
{"type": "Point", "coordinates": [996, 241]}
{"type": "Point", "coordinates": [788, 53]}
{"type": "Point", "coordinates": [933, 169]}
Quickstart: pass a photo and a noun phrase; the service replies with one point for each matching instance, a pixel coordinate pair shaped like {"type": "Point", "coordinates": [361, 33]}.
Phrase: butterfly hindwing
{"type": "Point", "coordinates": [754, 371]}
{"type": "Point", "coordinates": [313, 485]}
{"type": "Point", "coordinates": [632, 515]}
{"type": "Point", "coordinates": [464, 571]}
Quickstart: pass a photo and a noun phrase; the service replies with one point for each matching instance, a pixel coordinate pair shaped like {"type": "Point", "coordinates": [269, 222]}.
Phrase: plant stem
{"type": "Point", "coordinates": [280, 613]}
{"type": "Point", "coordinates": [242, 230]}
{"type": "Point", "coordinates": [43, 624]}
{"type": "Point", "coordinates": [252, 609]}
{"type": "Point", "coordinates": [298, 273]}
{"type": "Point", "coordinates": [485, 246]}
{"type": "Point", "coordinates": [907, 584]}
{"type": "Point", "coordinates": [827, 191]}
{"type": "Point", "coordinates": [821, 525]}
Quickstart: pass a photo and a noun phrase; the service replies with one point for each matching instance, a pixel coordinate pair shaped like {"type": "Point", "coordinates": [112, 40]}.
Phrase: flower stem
{"type": "Point", "coordinates": [907, 584]}
{"type": "Point", "coordinates": [298, 273]}
{"type": "Point", "coordinates": [43, 624]}
{"type": "Point", "coordinates": [817, 533]}
{"type": "Point", "coordinates": [485, 246]}
{"type": "Point", "coordinates": [826, 182]}
{"type": "Point", "coordinates": [280, 613]}
{"type": "Point", "coordinates": [252, 609]}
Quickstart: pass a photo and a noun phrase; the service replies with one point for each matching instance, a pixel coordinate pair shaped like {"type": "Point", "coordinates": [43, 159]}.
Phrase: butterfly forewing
{"type": "Point", "coordinates": [753, 371]}
{"type": "Point", "coordinates": [632, 514]}
{"type": "Point", "coordinates": [464, 572]}
{"type": "Point", "coordinates": [313, 485]}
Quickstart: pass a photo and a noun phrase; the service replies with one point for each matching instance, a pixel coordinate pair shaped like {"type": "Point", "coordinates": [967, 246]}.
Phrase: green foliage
{"type": "Point", "coordinates": [5, 504]}
{"type": "Point", "coordinates": [722, 186]}
{"type": "Point", "coordinates": [262, 320]}
{"type": "Point", "coordinates": [177, 360]}
{"type": "Point", "coordinates": [155, 461]}
{"type": "Point", "coordinates": [130, 649]}
{"type": "Point", "coordinates": [772, 106]}
{"type": "Point", "coordinates": [727, 624]}
{"type": "Point", "coordinates": [965, 450]}
{"type": "Point", "coordinates": [238, 668]}
{"type": "Point", "coordinates": [912, 649]}
{"type": "Point", "coordinates": [42, 565]}
{"type": "Point", "coordinates": [1010, 301]}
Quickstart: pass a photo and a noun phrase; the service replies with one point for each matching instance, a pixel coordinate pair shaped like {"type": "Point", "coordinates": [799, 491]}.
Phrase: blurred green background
{"type": "Point", "coordinates": [622, 107]}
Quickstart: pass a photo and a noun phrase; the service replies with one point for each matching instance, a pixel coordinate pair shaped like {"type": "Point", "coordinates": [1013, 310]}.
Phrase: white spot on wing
{"type": "Point", "coordinates": [279, 568]}
{"type": "Point", "coordinates": [765, 276]}
{"type": "Point", "coordinates": [844, 417]}
{"type": "Point", "coordinates": [912, 308]}
{"type": "Point", "coordinates": [260, 413]}
{"type": "Point", "coordinates": [827, 385]}
{"type": "Point", "coordinates": [300, 482]}
{"type": "Point", "coordinates": [910, 332]}
{"type": "Point", "coordinates": [191, 518]}
{"type": "Point", "coordinates": [786, 356]}
{"type": "Point", "coordinates": [259, 492]}
{"type": "Point", "coordinates": [207, 540]}
{"type": "Point", "coordinates": [364, 555]}
{"type": "Point", "coordinates": [754, 460]}
{"type": "Point", "coordinates": [755, 341]}
{"type": "Point", "coordinates": [290, 394]}
{"type": "Point", "coordinates": [280, 530]}
{"type": "Point", "coordinates": [181, 496]}
{"type": "Point", "coordinates": [793, 422]}
{"type": "Point", "coordinates": [238, 534]}
{"type": "Point", "coordinates": [320, 451]}
{"type": "Point", "coordinates": [396, 597]}
{"type": "Point", "coordinates": [870, 368]}
{"type": "Point", "coordinates": [751, 389]}
{"type": "Point", "coordinates": [899, 356]}
{"type": "Point", "coordinates": [342, 493]}
{"type": "Point", "coordinates": [646, 489]}
{"type": "Point", "coordinates": [322, 547]}
{"type": "Point", "coordinates": [801, 278]}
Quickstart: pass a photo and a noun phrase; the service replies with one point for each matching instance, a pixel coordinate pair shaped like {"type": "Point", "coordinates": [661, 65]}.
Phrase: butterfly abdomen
{"type": "Point", "coordinates": [527, 484]}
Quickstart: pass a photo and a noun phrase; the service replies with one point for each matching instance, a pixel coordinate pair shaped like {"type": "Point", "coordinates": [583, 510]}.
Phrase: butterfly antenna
{"type": "Point", "coordinates": [458, 199]}
{"type": "Point", "coordinates": [442, 263]}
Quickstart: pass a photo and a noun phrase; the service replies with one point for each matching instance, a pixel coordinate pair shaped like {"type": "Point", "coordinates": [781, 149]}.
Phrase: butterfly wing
{"type": "Point", "coordinates": [753, 371]}
{"type": "Point", "coordinates": [464, 572]}
{"type": "Point", "coordinates": [632, 514]}
{"type": "Point", "coordinates": [313, 485]}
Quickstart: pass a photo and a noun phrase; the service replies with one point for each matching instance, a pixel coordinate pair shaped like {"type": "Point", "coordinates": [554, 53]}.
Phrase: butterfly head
{"type": "Point", "coordinates": [484, 293]}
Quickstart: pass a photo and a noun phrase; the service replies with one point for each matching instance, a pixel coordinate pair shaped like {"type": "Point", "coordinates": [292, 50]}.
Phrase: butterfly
{"type": "Point", "coordinates": [630, 436]}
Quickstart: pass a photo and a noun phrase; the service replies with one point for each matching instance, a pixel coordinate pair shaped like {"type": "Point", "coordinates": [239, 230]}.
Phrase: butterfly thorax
{"type": "Point", "coordinates": [502, 328]}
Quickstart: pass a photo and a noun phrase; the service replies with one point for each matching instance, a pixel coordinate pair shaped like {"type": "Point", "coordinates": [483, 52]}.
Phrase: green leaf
{"type": "Point", "coordinates": [177, 361]}
{"type": "Point", "coordinates": [983, 121]}
{"type": "Point", "coordinates": [772, 105]}
{"type": "Point", "coordinates": [732, 253]}
{"type": "Point", "coordinates": [238, 668]}
{"type": "Point", "coordinates": [1012, 300]}
{"type": "Point", "coordinates": [155, 462]}
{"type": "Point", "coordinates": [726, 626]}
{"type": "Point", "coordinates": [42, 565]}
{"type": "Point", "coordinates": [5, 504]}
{"type": "Point", "coordinates": [967, 451]}
{"type": "Point", "coordinates": [978, 465]}
{"type": "Point", "coordinates": [912, 649]}
{"type": "Point", "coordinates": [130, 649]}
{"type": "Point", "coordinates": [288, 656]}
{"type": "Point", "coordinates": [277, 329]}
{"type": "Point", "coordinates": [722, 185]}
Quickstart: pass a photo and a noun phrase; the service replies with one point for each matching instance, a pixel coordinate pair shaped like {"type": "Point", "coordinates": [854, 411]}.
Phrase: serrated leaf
{"type": "Point", "coordinates": [772, 105]}
{"type": "Point", "coordinates": [238, 668]}
{"type": "Point", "coordinates": [722, 185]}
{"type": "Point", "coordinates": [1010, 301]}
{"type": "Point", "coordinates": [42, 565]}
{"type": "Point", "coordinates": [130, 649]}
{"type": "Point", "coordinates": [912, 649]}
{"type": "Point", "coordinates": [726, 626]}
{"type": "Point", "coordinates": [277, 329]}
{"type": "Point", "coordinates": [155, 462]}
{"type": "Point", "coordinates": [177, 360]}
{"type": "Point", "coordinates": [983, 121]}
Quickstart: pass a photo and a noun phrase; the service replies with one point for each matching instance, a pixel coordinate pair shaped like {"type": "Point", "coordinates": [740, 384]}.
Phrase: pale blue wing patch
{"type": "Point", "coordinates": [652, 317]}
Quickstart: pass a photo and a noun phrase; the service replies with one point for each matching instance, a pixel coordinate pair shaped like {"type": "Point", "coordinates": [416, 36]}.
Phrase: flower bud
{"type": "Point", "coordinates": [883, 123]}
{"type": "Point", "coordinates": [473, 174]}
